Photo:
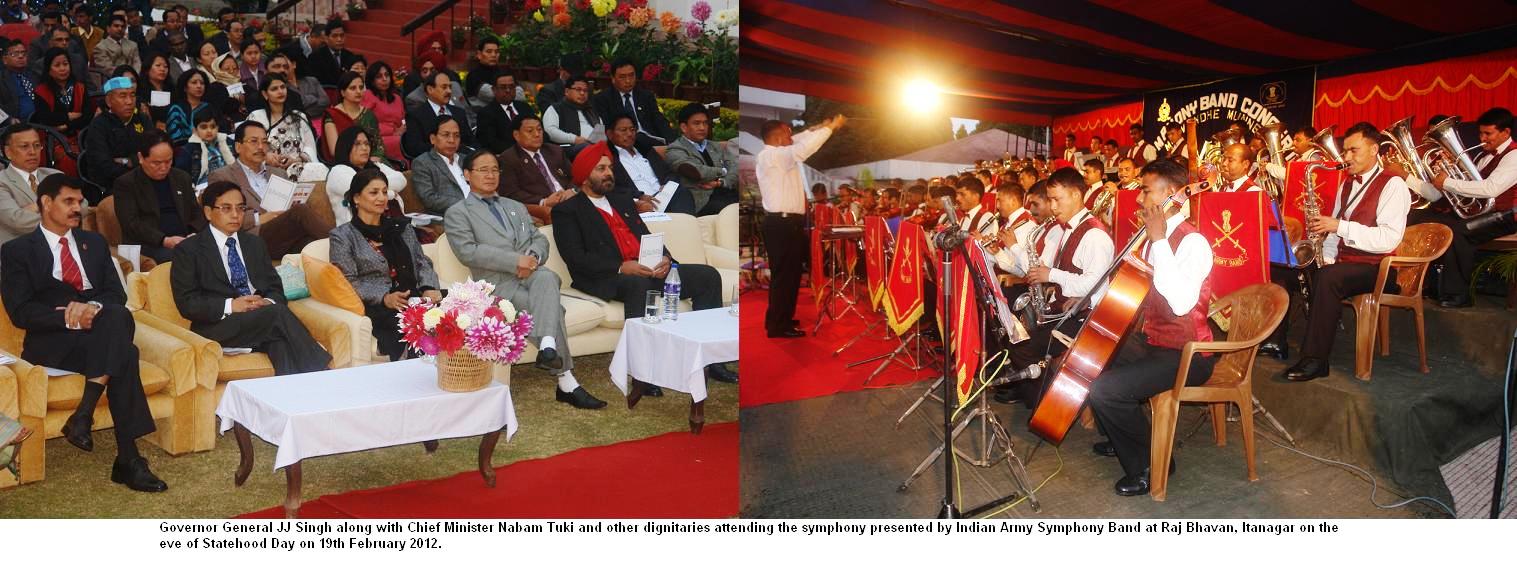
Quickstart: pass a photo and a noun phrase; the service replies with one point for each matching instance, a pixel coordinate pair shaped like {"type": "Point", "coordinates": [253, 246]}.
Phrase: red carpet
{"type": "Point", "coordinates": [671, 475]}
{"type": "Point", "coordinates": [782, 370]}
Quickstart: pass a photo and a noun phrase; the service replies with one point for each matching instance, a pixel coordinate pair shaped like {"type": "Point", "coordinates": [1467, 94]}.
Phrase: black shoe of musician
{"type": "Point", "coordinates": [134, 474]}
{"type": "Point", "coordinates": [1273, 349]}
{"type": "Point", "coordinates": [721, 374]}
{"type": "Point", "coordinates": [1104, 448]}
{"type": "Point", "coordinates": [1456, 301]}
{"type": "Point", "coordinates": [77, 432]}
{"type": "Point", "coordinates": [1306, 370]}
{"type": "Point", "coordinates": [1136, 484]}
{"type": "Point", "coordinates": [787, 334]}
{"type": "Point", "coordinates": [1005, 395]}
{"type": "Point", "coordinates": [579, 398]}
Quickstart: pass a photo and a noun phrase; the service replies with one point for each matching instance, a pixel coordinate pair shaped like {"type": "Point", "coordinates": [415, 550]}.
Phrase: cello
{"type": "Point", "coordinates": [1101, 336]}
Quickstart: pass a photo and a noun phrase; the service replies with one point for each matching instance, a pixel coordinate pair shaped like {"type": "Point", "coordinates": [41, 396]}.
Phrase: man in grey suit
{"type": "Point", "coordinates": [286, 231]}
{"type": "Point", "coordinates": [438, 174]}
{"type": "Point", "coordinates": [495, 238]}
{"type": "Point", "coordinates": [18, 182]}
{"type": "Point", "coordinates": [706, 169]}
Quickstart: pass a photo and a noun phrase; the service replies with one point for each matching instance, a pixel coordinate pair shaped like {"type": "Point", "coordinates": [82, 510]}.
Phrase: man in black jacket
{"type": "Point", "coordinates": [111, 138]}
{"type": "Point", "coordinates": [495, 119]}
{"type": "Point", "coordinates": [142, 193]}
{"type": "Point", "coordinates": [331, 60]}
{"type": "Point", "coordinates": [421, 120]}
{"type": "Point", "coordinates": [59, 285]}
{"type": "Point", "coordinates": [224, 284]}
{"type": "Point", "coordinates": [599, 234]}
{"type": "Point", "coordinates": [639, 172]}
{"type": "Point", "coordinates": [623, 96]}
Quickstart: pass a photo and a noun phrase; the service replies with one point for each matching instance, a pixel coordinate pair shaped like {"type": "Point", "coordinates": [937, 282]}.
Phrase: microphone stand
{"type": "Point", "coordinates": [1502, 454]}
{"type": "Point", "coordinates": [945, 242]}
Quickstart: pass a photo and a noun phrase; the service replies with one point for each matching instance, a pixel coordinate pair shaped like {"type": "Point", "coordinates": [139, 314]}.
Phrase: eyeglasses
{"type": "Point", "coordinates": [231, 209]}
{"type": "Point", "coordinates": [486, 171]}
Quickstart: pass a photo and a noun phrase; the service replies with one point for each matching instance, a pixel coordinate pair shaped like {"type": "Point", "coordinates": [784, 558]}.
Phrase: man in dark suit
{"type": "Point", "coordinates": [141, 196]}
{"type": "Point", "coordinates": [638, 171]}
{"type": "Point", "coordinates": [533, 173]}
{"type": "Point", "coordinates": [623, 96]}
{"type": "Point", "coordinates": [598, 233]}
{"type": "Point", "coordinates": [287, 231]}
{"type": "Point", "coordinates": [421, 119]}
{"type": "Point", "coordinates": [59, 284]}
{"type": "Point", "coordinates": [328, 62]}
{"type": "Point", "coordinates": [224, 284]}
{"type": "Point", "coordinates": [111, 137]}
{"type": "Point", "coordinates": [495, 119]}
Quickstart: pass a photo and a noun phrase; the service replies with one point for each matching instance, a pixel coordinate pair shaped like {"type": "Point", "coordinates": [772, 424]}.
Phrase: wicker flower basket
{"type": "Point", "coordinates": [462, 371]}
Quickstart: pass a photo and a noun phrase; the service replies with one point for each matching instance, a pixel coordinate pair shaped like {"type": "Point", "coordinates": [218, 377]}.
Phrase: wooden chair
{"type": "Point", "coordinates": [1256, 311]}
{"type": "Point", "coordinates": [1420, 245]}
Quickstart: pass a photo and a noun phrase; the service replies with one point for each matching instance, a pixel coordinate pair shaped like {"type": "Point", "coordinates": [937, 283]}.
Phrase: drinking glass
{"type": "Point", "coordinates": [652, 307]}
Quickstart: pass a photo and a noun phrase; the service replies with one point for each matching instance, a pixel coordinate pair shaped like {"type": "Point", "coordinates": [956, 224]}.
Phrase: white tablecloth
{"type": "Point", "coordinates": [674, 354]}
{"type": "Point", "coordinates": [359, 408]}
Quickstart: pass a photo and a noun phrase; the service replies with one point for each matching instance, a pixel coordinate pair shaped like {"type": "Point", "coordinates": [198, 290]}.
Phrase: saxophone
{"type": "Point", "coordinates": [1034, 305]}
{"type": "Point", "coordinates": [1308, 251]}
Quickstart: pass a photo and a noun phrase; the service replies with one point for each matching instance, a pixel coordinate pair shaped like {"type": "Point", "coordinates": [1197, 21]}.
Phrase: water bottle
{"type": "Point", "coordinates": [671, 293]}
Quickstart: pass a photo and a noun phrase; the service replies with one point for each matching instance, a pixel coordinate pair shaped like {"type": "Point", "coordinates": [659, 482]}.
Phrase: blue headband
{"type": "Point", "coordinates": [118, 83]}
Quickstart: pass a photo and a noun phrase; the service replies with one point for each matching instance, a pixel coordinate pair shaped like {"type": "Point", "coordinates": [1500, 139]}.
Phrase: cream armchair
{"type": "Point", "coordinates": [44, 403]}
{"type": "Point", "coordinates": [10, 406]}
{"type": "Point", "coordinates": [709, 240]}
{"type": "Point", "coordinates": [154, 294]}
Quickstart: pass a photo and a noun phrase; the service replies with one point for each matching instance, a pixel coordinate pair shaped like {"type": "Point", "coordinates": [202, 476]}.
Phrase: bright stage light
{"type": "Point", "coordinates": [922, 95]}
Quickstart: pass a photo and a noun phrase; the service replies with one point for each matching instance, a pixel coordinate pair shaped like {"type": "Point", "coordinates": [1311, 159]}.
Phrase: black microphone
{"type": "Point", "coordinates": [948, 209]}
{"type": "Point", "coordinates": [1489, 220]}
{"type": "Point", "coordinates": [951, 236]}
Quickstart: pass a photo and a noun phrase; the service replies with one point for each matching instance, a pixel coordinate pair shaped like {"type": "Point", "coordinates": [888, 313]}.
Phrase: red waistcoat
{"type": "Point", "coordinates": [1508, 199]}
{"type": "Point", "coordinates": [1364, 214]}
{"type": "Point", "coordinates": [1065, 260]}
{"type": "Point", "coordinates": [1163, 327]}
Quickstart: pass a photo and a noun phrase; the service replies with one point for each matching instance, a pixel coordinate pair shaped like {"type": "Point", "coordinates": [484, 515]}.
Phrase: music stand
{"type": "Point", "coordinates": [888, 252]}
{"type": "Point", "coordinates": [842, 278]}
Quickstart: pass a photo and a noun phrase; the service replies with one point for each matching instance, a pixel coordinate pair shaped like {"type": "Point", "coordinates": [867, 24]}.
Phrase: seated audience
{"type": "Point", "coordinates": [227, 77]}
{"type": "Point", "coordinates": [382, 258]}
{"type": "Point", "coordinates": [495, 119]}
{"type": "Point", "coordinates": [250, 67]}
{"type": "Point", "coordinates": [225, 284]}
{"type": "Point", "coordinates": [329, 62]}
{"type": "Point", "coordinates": [287, 231]}
{"type": "Point", "coordinates": [352, 156]}
{"type": "Point", "coordinates": [155, 202]}
{"type": "Point", "coordinates": [292, 144]}
{"type": "Point", "coordinates": [112, 136]}
{"type": "Point", "coordinates": [598, 233]}
{"type": "Point", "coordinates": [62, 101]}
{"type": "Point", "coordinates": [479, 86]}
{"type": "Point", "coordinates": [206, 150]}
{"type": "Point", "coordinates": [422, 119]}
{"type": "Point", "coordinates": [155, 78]}
{"type": "Point", "coordinates": [572, 122]}
{"type": "Point", "coordinates": [189, 100]}
{"type": "Point", "coordinates": [438, 174]}
{"type": "Point", "coordinates": [532, 172]}
{"type": "Point", "coordinates": [115, 49]}
{"type": "Point", "coordinates": [19, 214]}
{"type": "Point", "coordinates": [384, 100]}
{"type": "Point", "coordinates": [16, 83]}
{"type": "Point", "coordinates": [638, 172]}
{"type": "Point", "coordinates": [59, 284]}
{"type": "Point", "coordinates": [495, 238]}
{"type": "Point", "coordinates": [705, 168]}
{"type": "Point", "coordinates": [349, 112]}
{"type": "Point", "coordinates": [623, 96]}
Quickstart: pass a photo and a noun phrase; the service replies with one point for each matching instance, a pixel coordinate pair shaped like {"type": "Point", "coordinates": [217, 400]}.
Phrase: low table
{"type": "Point", "coordinates": [359, 408]}
{"type": "Point", "coordinates": [673, 354]}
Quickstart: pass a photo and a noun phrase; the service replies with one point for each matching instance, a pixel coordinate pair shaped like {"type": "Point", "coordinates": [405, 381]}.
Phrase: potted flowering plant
{"type": "Point", "coordinates": [467, 331]}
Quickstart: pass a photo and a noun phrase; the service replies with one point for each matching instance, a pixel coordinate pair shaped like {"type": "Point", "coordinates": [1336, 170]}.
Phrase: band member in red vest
{"type": "Point", "coordinates": [1071, 151]}
{"type": "Point", "coordinates": [1141, 150]}
{"type": "Point", "coordinates": [1498, 168]}
{"type": "Point", "coordinates": [1365, 225]}
{"type": "Point", "coordinates": [1072, 254]}
{"type": "Point", "coordinates": [974, 217]}
{"type": "Point", "coordinates": [1174, 313]}
{"type": "Point", "coordinates": [1094, 171]}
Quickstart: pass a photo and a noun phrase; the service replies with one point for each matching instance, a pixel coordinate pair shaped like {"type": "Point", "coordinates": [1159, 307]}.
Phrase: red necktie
{"type": "Point", "coordinates": [70, 267]}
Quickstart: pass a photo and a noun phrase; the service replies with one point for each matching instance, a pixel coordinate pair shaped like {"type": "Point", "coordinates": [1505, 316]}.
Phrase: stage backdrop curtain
{"type": "Point", "coordinates": [1462, 86]}
{"type": "Point", "coordinates": [1108, 122]}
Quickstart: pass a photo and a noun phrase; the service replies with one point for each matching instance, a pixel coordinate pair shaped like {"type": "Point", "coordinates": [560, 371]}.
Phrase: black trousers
{"type": "Point", "coordinates": [1039, 343]}
{"type": "Point", "coordinates": [1290, 279]}
{"type": "Point", "coordinates": [1459, 261]}
{"type": "Point", "coordinates": [720, 198]}
{"type": "Point", "coordinates": [106, 349]}
{"type": "Point", "coordinates": [159, 254]}
{"type": "Point", "coordinates": [785, 240]}
{"type": "Point", "coordinates": [1141, 371]}
{"type": "Point", "coordinates": [699, 283]}
{"type": "Point", "coordinates": [271, 329]}
{"type": "Point", "coordinates": [386, 330]}
{"type": "Point", "coordinates": [1330, 285]}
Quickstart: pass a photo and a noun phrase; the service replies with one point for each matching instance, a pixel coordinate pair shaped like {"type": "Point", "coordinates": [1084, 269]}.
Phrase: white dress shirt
{"type": "Point", "coordinates": [1494, 184]}
{"type": "Point", "coordinates": [73, 248]}
{"type": "Point", "coordinates": [1093, 257]}
{"type": "Point", "coordinates": [641, 171]}
{"type": "Point", "coordinates": [1237, 185]}
{"type": "Point", "coordinates": [556, 133]}
{"type": "Point", "coordinates": [1179, 273]}
{"type": "Point", "coordinates": [1148, 152]}
{"type": "Point", "coordinates": [779, 171]}
{"type": "Point", "coordinates": [1005, 257]}
{"type": "Point", "coordinates": [257, 179]}
{"type": "Point", "coordinates": [984, 226]}
{"type": "Point", "coordinates": [455, 167]}
{"type": "Point", "coordinates": [1390, 214]}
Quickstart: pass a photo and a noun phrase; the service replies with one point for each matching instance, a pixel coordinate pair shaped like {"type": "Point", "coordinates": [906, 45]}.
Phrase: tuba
{"type": "Point", "coordinates": [1399, 148]}
{"type": "Point", "coordinates": [1327, 145]}
{"type": "Point", "coordinates": [1212, 153]}
{"type": "Point", "coordinates": [1274, 136]}
{"type": "Point", "coordinates": [1448, 156]}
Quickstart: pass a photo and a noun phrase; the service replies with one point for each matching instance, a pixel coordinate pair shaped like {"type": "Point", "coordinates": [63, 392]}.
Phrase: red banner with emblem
{"type": "Point", "coordinates": [1124, 217]}
{"type": "Point", "coordinates": [905, 285]}
{"type": "Point", "coordinates": [821, 215]}
{"type": "Point", "coordinates": [1326, 184]}
{"type": "Point", "coordinates": [966, 341]}
{"type": "Point", "coordinates": [876, 236]}
{"type": "Point", "coordinates": [1235, 225]}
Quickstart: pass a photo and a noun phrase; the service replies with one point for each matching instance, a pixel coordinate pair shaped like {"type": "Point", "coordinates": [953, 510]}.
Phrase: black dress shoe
{"type": "Point", "coordinates": [1132, 485]}
{"type": "Point", "coordinates": [1274, 350]}
{"type": "Point", "coordinates": [652, 391]}
{"type": "Point", "coordinates": [721, 374]}
{"type": "Point", "coordinates": [1306, 370]}
{"type": "Point", "coordinates": [1459, 301]}
{"type": "Point", "coordinates": [787, 334]}
{"type": "Point", "coordinates": [77, 432]}
{"type": "Point", "coordinates": [545, 358]}
{"type": "Point", "coordinates": [135, 475]}
{"type": "Point", "coordinates": [579, 398]}
{"type": "Point", "coordinates": [1005, 396]}
{"type": "Point", "coordinates": [1104, 448]}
